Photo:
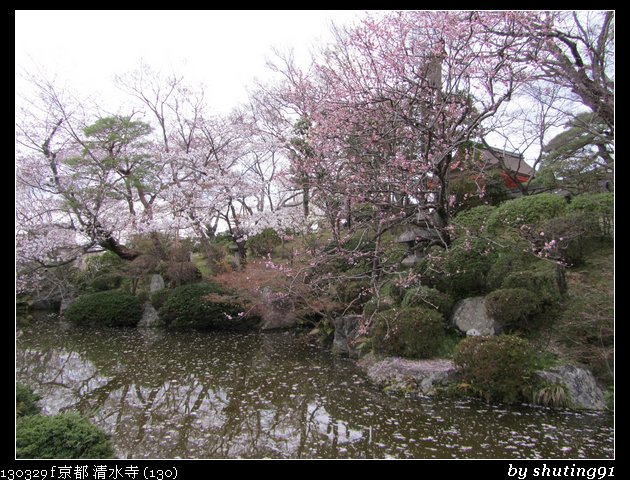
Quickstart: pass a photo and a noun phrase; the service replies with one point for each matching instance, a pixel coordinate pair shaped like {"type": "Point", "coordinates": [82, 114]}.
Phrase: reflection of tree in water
{"type": "Point", "coordinates": [186, 394]}
{"type": "Point", "coordinates": [164, 395]}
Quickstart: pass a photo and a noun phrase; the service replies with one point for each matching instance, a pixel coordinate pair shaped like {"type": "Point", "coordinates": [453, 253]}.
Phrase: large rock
{"type": "Point", "coordinates": [471, 314]}
{"type": "Point", "coordinates": [583, 391]}
{"type": "Point", "coordinates": [157, 283]}
{"type": "Point", "coordinates": [65, 303]}
{"type": "Point", "coordinates": [422, 376]}
{"type": "Point", "coordinates": [346, 334]}
{"type": "Point", "coordinates": [149, 317]}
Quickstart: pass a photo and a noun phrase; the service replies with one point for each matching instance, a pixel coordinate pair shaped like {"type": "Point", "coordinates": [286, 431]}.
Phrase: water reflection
{"type": "Point", "coordinates": [196, 395]}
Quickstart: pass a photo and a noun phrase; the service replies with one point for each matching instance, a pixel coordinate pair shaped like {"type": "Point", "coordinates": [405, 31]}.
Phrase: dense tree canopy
{"type": "Point", "coordinates": [366, 136]}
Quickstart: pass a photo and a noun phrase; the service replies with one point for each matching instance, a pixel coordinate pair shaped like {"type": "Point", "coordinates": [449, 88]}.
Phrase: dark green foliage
{"type": "Point", "coordinates": [601, 203]}
{"type": "Point", "coordinates": [428, 298]}
{"type": "Point", "coordinates": [263, 243]}
{"type": "Point", "coordinates": [544, 278]}
{"type": "Point", "coordinates": [66, 435]}
{"type": "Point", "coordinates": [353, 293]}
{"type": "Point", "coordinates": [158, 298]}
{"type": "Point", "coordinates": [374, 305]}
{"type": "Point", "coordinates": [106, 281]}
{"type": "Point", "coordinates": [513, 308]}
{"type": "Point", "coordinates": [392, 291]}
{"type": "Point", "coordinates": [110, 309]}
{"type": "Point", "coordinates": [508, 260]}
{"type": "Point", "coordinates": [496, 368]}
{"type": "Point", "coordinates": [472, 221]}
{"type": "Point", "coordinates": [107, 262]}
{"type": "Point", "coordinates": [408, 332]}
{"type": "Point", "coordinates": [526, 211]}
{"type": "Point", "coordinates": [569, 238]}
{"type": "Point", "coordinates": [223, 240]}
{"type": "Point", "coordinates": [204, 306]}
{"type": "Point", "coordinates": [581, 156]}
{"type": "Point", "coordinates": [609, 397]}
{"type": "Point", "coordinates": [463, 269]}
{"type": "Point", "coordinates": [25, 401]}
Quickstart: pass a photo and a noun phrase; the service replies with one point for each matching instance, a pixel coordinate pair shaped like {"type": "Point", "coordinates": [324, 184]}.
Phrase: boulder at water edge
{"type": "Point", "coordinates": [149, 317]}
{"type": "Point", "coordinates": [346, 334]}
{"type": "Point", "coordinates": [583, 391]}
{"type": "Point", "coordinates": [470, 315]}
{"type": "Point", "coordinates": [422, 376]}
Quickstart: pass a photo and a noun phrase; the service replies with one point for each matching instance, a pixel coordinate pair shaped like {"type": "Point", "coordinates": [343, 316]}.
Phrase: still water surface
{"type": "Point", "coordinates": [271, 395]}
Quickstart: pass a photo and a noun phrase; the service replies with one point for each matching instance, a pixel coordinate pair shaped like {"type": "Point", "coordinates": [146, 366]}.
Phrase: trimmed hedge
{"type": "Point", "coordinates": [205, 306]}
{"type": "Point", "coordinates": [599, 203]}
{"type": "Point", "coordinates": [463, 269]}
{"type": "Point", "coordinates": [513, 307]}
{"type": "Point", "coordinates": [409, 332]}
{"type": "Point", "coordinates": [495, 368]}
{"type": "Point", "coordinates": [106, 281]}
{"type": "Point", "coordinates": [111, 308]}
{"type": "Point", "coordinates": [66, 435]}
{"type": "Point", "coordinates": [158, 298]}
{"type": "Point", "coordinates": [526, 211]}
{"type": "Point", "coordinates": [543, 278]}
{"type": "Point", "coordinates": [428, 298]}
{"type": "Point", "coordinates": [472, 221]}
{"type": "Point", "coordinates": [509, 260]}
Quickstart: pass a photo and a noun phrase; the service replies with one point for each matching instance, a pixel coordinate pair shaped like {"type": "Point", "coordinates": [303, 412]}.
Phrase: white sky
{"type": "Point", "coordinates": [224, 50]}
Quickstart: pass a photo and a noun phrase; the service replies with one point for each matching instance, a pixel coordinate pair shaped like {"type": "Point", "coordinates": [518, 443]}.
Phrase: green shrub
{"type": "Point", "coordinates": [106, 262]}
{"type": "Point", "coordinates": [428, 298]}
{"type": "Point", "coordinates": [353, 293]}
{"type": "Point", "coordinates": [544, 278]}
{"type": "Point", "coordinates": [568, 238]}
{"type": "Point", "coordinates": [509, 260]}
{"type": "Point", "coordinates": [106, 281]}
{"type": "Point", "coordinates": [526, 211]}
{"type": "Point", "coordinates": [392, 291]}
{"type": "Point", "coordinates": [603, 203]}
{"type": "Point", "coordinates": [473, 221]}
{"type": "Point", "coordinates": [609, 397]}
{"type": "Point", "coordinates": [464, 267]}
{"type": "Point", "coordinates": [182, 273]}
{"type": "Point", "coordinates": [374, 305]}
{"type": "Point", "coordinates": [111, 309]}
{"type": "Point", "coordinates": [66, 435]}
{"type": "Point", "coordinates": [263, 243]}
{"type": "Point", "coordinates": [204, 306]}
{"type": "Point", "coordinates": [159, 297]}
{"type": "Point", "coordinates": [512, 308]}
{"type": "Point", "coordinates": [408, 332]}
{"type": "Point", "coordinates": [496, 368]}
{"type": "Point", "coordinates": [25, 401]}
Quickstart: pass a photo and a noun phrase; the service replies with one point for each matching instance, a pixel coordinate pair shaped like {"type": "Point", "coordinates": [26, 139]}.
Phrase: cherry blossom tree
{"type": "Point", "coordinates": [386, 106]}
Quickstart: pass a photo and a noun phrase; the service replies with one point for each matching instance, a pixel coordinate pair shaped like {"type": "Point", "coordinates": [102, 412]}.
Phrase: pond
{"type": "Point", "coordinates": [272, 395]}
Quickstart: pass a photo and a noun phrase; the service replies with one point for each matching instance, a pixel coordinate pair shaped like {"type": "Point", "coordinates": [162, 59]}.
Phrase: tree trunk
{"type": "Point", "coordinates": [111, 244]}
